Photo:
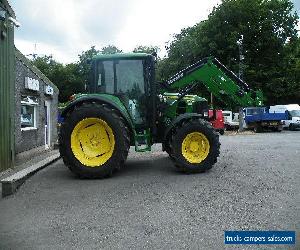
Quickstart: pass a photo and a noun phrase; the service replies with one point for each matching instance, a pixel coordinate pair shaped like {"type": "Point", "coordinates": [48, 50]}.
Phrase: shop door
{"type": "Point", "coordinates": [47, 124]}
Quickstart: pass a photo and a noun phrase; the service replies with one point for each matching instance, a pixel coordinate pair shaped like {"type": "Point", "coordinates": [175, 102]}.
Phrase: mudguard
{"type": "Point", "coordinates": [112, 101]}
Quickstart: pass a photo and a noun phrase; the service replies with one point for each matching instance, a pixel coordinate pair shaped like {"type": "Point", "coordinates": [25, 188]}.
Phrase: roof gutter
{"type": "Point", "coordinates": [14, 21]}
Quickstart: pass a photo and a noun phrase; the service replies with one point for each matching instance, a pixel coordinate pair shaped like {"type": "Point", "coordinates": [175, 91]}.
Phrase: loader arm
{"type": "Point", "coordinates": [219, 81]}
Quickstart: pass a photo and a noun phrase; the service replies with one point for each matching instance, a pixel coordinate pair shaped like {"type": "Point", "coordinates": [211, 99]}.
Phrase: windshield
{"type": "Point", "coordinates": [123, 76]}
{"type": "Point", "coordinates": [295, 113]}
{"type": "Point", "coordinates": [130, 78]}
{"type": "Point", "coordinates": [255, 111]}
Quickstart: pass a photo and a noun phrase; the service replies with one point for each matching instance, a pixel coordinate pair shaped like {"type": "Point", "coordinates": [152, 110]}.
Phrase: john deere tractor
{"type": "Point", "coordinates": [126, 107]}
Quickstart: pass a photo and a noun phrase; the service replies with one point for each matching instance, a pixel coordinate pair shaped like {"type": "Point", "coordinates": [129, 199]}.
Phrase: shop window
{"type": "Point", "coordinates": [29, 106]}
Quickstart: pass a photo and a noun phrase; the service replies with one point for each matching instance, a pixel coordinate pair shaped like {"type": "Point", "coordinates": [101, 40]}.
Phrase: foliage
{"type": "Point", "coordinates": [290, 82]}
{"type": "Point", "coordinates": [266, 27]}
{"type": "Point", "coordinates": [146, 49]}
{"type": "Point", "coordinates": [66, 78]}
{"type": "Point", "coordinates": [85, 58]}
{"type": "Point", "coordinates": [110, 49]}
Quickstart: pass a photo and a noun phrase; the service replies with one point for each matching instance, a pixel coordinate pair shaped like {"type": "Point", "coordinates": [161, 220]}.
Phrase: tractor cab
{"type": "Point", "coordinates": [130, 77]}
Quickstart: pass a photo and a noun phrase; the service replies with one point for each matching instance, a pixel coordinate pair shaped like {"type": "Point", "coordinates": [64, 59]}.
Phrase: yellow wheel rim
{"type": "Point", "coordinates": [92, 142]}
{"type": "Point", "coordinates": [195, 147]}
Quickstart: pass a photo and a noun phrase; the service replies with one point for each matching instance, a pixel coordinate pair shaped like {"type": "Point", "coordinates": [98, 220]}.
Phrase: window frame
{"type": "Point", "coordinates": [33, 104]}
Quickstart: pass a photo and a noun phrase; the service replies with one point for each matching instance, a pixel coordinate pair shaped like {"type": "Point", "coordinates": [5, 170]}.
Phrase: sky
{"type": "Point", "coordinates": [65, 28]}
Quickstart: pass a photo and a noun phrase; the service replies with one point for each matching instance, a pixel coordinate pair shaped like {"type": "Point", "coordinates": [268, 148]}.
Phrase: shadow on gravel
{"type": "Point", "coordinates": [134, 167]}
{"type": "Point", "coordinates": [162, 165]}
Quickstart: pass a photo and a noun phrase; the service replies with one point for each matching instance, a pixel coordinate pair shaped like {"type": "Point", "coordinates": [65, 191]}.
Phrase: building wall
{"type": "Point", "coordinates": [27, 139]}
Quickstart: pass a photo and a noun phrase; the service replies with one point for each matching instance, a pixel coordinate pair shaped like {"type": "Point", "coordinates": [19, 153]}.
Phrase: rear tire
{"type": "Point", "coordinates": [194, 146]}
{"type": "Point", "coordinates": [98, 147]}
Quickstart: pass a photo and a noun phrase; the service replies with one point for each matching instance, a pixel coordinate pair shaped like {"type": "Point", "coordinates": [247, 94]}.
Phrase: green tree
{"type": "Point", "coordinates": [110, 49]}
{"type": "Point", "coordinates": [47, 65]}
{"type": "Point", "coordinates": [146, 49]}
{"type": "Point", "coordinates": [66, 77]}
{"type": "Point", "coordinates": [290, 85]}
{"type": "Point", "coordinates": [266, 27]}
{"type": "Point", "coordinates": [71, 81]}
{"type": "Point", "coordinates": [84, 63]}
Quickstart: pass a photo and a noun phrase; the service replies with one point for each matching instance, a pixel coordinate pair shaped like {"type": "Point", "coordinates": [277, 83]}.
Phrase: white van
{"type": "Point", "coordinates": [293, 111]}
{"type": "Point", "coordinates": [231, 120]}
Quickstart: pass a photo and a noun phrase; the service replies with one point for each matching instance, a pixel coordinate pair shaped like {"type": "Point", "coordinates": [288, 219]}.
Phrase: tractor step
{"type": "Point", "coordinates": [143, 141]}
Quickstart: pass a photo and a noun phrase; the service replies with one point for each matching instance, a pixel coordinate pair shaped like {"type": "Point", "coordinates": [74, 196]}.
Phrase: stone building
{"type": "Point", "coordinates": [36, 102]}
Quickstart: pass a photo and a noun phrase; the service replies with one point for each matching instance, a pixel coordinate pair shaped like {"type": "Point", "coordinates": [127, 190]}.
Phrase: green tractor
{"type": "Point", "coordinates": [126, 107]}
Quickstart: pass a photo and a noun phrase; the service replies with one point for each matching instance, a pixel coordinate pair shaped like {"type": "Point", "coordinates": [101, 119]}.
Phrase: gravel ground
{"type": "Point", "coordinates": [149, 205]}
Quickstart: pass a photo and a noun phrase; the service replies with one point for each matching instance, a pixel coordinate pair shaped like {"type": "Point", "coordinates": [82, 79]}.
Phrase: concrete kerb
{"type": "Point", "coordinates": [11, 183]}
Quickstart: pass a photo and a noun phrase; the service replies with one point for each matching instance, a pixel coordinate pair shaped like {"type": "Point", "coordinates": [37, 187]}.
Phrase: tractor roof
{"type": "Point", "coordinates": [121, 56]}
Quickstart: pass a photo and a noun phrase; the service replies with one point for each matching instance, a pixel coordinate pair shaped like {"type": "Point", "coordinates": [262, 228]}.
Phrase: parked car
{"type": "Point", "coordinates": [231, 120]}
{"type": "Point", "coordinates": [217, 120]}
{"type": "Point", "coordinates": [293, 115]}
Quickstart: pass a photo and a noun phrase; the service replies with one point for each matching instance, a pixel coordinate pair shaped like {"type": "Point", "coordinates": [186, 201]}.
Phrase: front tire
{"type": "Point", "coordinates": [195, 146]}
{"type": "Point", "coordinates": [94, 141]}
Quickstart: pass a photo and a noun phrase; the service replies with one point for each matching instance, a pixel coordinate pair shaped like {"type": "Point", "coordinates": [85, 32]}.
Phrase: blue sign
{"type": "Point", "coordinates": [259, 237]}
